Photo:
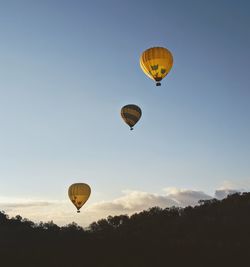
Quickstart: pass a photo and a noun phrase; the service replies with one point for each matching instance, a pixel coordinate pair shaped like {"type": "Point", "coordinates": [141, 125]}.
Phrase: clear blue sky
{"type": "Point", "coordinates": [66, 69]}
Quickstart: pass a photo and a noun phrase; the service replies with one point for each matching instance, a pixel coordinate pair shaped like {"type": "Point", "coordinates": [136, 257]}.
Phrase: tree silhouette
{"type": "Point", "coordinates": [213, 233]}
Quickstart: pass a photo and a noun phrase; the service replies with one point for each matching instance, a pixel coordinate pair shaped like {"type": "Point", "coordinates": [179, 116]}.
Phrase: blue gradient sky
{"type": "Point", "coordinates": [66, 69]}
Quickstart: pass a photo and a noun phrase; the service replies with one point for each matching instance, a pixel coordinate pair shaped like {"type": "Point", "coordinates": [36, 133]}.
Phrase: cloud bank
{"type": "Point", "coordinates": [62, 212]}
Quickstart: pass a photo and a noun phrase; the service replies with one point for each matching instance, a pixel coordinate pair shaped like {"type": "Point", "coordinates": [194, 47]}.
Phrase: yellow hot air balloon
{"type": "Point", "coordinates": [79, 194]}
{"type": "Point", "coordinates": [131, 114]}
{"type": "Point", "coordinates": [156, 62]}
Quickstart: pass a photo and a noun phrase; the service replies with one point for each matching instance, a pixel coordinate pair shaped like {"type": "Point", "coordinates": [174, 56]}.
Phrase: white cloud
{"type": "Point", "coordinates": [222, 193]}
{"type": "Point", "coordinates": [228, 188]}
{"type": "Point", "coordinates": [186, 197]}
{"type": "Point", "coordinates": [62, 212]}
{"type": "Point", "coordinates": [25, 204]}
{"type": "Point", "coordinates": [134, 201]}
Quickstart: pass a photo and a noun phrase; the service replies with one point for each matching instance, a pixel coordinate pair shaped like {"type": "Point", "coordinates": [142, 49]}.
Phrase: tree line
{"type": "Point", "coordinates": [213, 233]}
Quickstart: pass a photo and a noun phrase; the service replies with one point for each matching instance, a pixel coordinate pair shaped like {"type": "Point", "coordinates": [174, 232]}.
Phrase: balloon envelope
{"type": "Point", "coordinates": [156, 62]}
{"type": "Point", "coordinates": [79, 194]}
{"type": "Point", "coordinates": [131, 114]}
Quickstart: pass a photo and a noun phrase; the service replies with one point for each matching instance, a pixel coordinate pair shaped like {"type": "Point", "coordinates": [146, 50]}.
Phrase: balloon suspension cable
{"type": "Point", "coordinates": [131, 128]}
{"type": "Point", "coordinates": [158, 84]}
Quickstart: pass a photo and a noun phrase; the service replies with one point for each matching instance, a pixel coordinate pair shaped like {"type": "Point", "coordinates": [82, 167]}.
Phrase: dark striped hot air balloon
{"type": "Point", "coordinates": [131, 115]}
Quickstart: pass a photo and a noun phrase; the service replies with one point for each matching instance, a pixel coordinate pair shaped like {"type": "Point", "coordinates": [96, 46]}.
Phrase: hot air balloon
{"type": "Point", "coordinates": [131, 114]}
{"type": "Point", "coordinates": [156, 62]}
{"type": "Point", "coordinates": [79, 194]}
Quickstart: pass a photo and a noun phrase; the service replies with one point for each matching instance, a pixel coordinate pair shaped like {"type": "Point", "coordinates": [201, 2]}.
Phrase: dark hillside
{"type": "Point", "coordinates": [214, 233]}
